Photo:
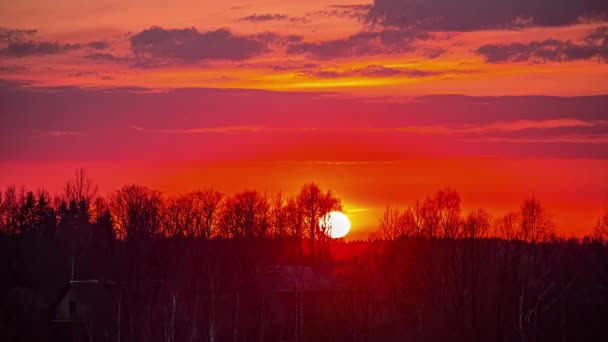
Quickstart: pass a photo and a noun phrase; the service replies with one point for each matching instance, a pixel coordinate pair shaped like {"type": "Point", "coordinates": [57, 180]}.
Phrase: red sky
{"type": "Point", "coordinates": [351, 94]}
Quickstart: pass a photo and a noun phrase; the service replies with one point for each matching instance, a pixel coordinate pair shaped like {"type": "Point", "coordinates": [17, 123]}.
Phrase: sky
{"type": "Point", "coordinates": [383, 102]}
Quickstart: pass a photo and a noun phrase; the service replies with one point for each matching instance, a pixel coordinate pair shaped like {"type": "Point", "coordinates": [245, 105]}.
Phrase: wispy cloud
{"type": "Point", "coordinates": [594, 46]}
{"type": "Point", "coordinates": [266, 17]}
{"type": "Point", "coordinates": [572, 138]}
{"type": "Point", "coordinates": [45, 133]}
{"type": "Point", "coordinates": [371, 71]}
{"type": "Point", "coordinates": [336, 162]}
{"type": "Point", "coordinates": [19, 49]}
{"type": "Point", "coordinates": [358, 210]}
{"type": "Point", "coordinates": [225, 129]}
{"type": "Point", "coordinates": [511, 126]}
{"type": "Point", "coordinates": [222, 129]}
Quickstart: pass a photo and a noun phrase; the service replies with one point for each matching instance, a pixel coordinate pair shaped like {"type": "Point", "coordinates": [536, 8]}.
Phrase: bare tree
{"type": "Point", "coordinates": [81, 188]}
{"type": "Point", "coordinates": [447, 203]}
{"type": "Point", "coordinates": [100, 208]}
{"type": "Point", "coordinates": [536, 292]}
{"type": "Point", "coordinates": [279, 216]}
{"type": "Point", "coordinates": [477, 225]}
{"type": "Point", "coordinates": [413, 220]}
{"type": "Point", "coordinates": [506, 229]}
{"type": "Point", "coordinates": [392, 224]}
{"type": "Point", "coordinates": [136, 212]}
{"type": "Point", "coordinates": [209, 201]}
{"type": "Point", "coordinates": [601, 228]}
{"type": "Point", "coordinates": [178, 217]}
{"type": "Point", "coordinates": [295, 225]}
{"type": "Point", "coordinates": [314, 205]}
{"type": "Point", "coordinates": [430, 217]}
{"type": "Point", "coordinates": [246, 214]}
{"type": "Point", "coordinates": [9, 210]}
{"type": "Point", "coordinates": [536, 223]}
{"type": "Point", "coordinates": [193, 214]}
{"type": "Point", "coordinates": [506, 226]}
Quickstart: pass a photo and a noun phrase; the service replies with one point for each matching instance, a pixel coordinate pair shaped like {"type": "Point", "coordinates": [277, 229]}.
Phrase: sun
{"type": "Point", "coordinates": [337, 224]}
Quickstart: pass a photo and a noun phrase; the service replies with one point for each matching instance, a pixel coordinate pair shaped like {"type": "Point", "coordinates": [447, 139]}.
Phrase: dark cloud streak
{"type": "Point", "coordinates": [364, 43]}
{"type": "Point", "coordinates": [156, 45]}
{"type": "Point", "coordinates": [11, 35]}
{"type": "Point", "coordinates": [375, 71]}
{"type": "Point", "coordinates": [257, 18]}
{"type": "Point", "coordinates": [354, 11]}
{"type": "Point", "coordinates": [31, 48]}
{"type": "Point", "coordinates": [595, 45]}
{"type": "Point", "coordinates": [473, 15]}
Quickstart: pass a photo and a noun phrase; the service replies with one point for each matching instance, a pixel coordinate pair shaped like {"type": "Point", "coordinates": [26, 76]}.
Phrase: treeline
{"type": "Point", "coordinates": [187, 268]}
{"type": "Point", "coordinates": [475, 278]}
{"type": "Point", "coordinates": [440, 217]}
{"type": "Point", "coordinates": [169, 256]}
{"type": "Point", "coordinates": [136, 212]}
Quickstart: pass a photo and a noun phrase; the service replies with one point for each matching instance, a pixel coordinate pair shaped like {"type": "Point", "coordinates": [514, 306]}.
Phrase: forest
{"type": "Point", "coordinates": [207, 266]}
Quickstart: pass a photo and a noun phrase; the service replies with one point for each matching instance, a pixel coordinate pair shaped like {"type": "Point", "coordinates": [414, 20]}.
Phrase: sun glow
{"type": "Point", "coordinates": [336, 224]}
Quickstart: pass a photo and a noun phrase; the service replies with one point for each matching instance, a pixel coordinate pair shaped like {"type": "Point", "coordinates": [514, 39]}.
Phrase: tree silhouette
{"type": "Point", "coordinates": [246, 214]}
{"type": "Point", "coordinates": [315, 204]}
{"type": "Point", "coordinates": [279, 216]}
{"type": "Point", "coordinates": [393, 224]}
{"type": "Point", "coordinates": [81, 188]}
{"type": "Point", "coordinates": [447, 204]}
{"type": "Point", "coordinates": [193, 214]}
{"type": "Point", "coordinates": [295, 225]}
{"type": "Point", "coordinates": [601, 228]}
{"type": "Point", "coordinates": [136, 212]}
{"type": "Point", "coordinates": [536, 224]}
{"type": "Point", "coordinates": [198, 266]}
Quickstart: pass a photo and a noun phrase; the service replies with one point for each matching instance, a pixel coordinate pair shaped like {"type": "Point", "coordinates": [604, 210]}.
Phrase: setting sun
{"type": "Point", "coordinates": [338, 224]}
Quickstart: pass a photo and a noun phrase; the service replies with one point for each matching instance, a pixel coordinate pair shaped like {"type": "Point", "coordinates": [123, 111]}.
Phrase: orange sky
{"type": "Point", "coordinates": [351, 94]}
{"type": "Point", "coordinates": [575, 193]}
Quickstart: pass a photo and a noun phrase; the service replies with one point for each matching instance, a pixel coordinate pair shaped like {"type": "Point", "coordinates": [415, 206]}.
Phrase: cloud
{"type": "Point", "coordinates": [98, 45]}
{"type": "Point", "coordinates": [239, 7]}
{"type": "Point", "coordinates": [364, 43]}
{"type": "Point", "coordinates": [572, 138]}
{"type": "Point", "coordinates": [225, 129]}
{"type": "Point", "coordinates": [30, 48]}
{"type": "Point", "coordinates": [552, 131]}
{"type": "Point", "coordinates": [291, 66]}
{"type": "Point", "coordinates": [24, 49]}
{"type": "Point", "coordinates": [257, 18]}
{"type": "Point", "coordinates": [83, 73]}
{"type": "Point", "coordinates": [221, 129]}
{"type": "Point", "coordinates": [11, 35]}
{"type": "Point", "coordinates": [103, 57]}
{"type": "Point", "coordinates": [597, 36]}
{"type": "Point", "coordinates": [159, 45]}
{"type": "Point", "coordinates": [354, 11]}
{"type": "Point", "coordinates": [55, 134]}
{"type": "Point", "coordinates": [12, 68]}
{"type": "Point", "coordinates": [595, 45]}
{"type": "Point", "coordinates": [506, 126]}
{"type": "Point", "coordinates": [472, 15]}
{"type": "Point", "coordinates": [376, 71]}
{"type": "Point", "coordinates": [286, 117]}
